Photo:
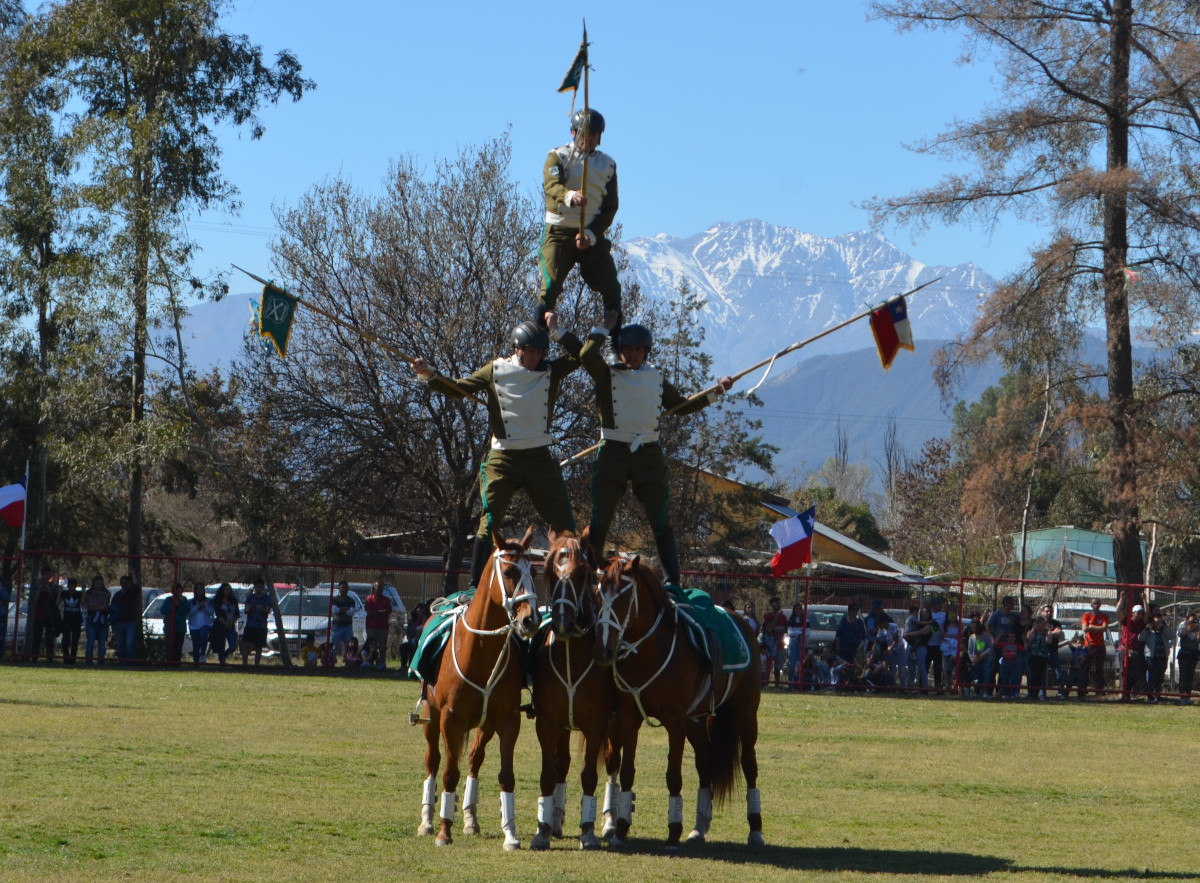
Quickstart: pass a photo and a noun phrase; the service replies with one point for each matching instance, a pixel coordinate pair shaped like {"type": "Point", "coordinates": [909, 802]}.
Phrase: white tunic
{"type": "Point", "coordinates": [524, 398]}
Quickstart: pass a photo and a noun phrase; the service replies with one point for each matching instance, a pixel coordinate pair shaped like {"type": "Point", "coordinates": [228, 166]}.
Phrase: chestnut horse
{"type": "Point", "coordinates": [570, 691]}
{"type": "Point", "coordinates": [479, 686]}
{"type": "Point", "coordinates": [663, 681]}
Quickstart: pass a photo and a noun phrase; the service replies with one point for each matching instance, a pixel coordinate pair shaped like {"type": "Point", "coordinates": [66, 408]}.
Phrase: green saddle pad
{"type": "Point", "coordinates": [703, 617]}
{"type": "Point", "coordinates": [427, 658]}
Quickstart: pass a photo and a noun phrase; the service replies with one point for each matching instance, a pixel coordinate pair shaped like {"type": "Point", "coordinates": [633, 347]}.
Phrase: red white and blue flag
{"type": "Point", "coordinates": [794, 536]}
{"type": "Point", "coordinates": [890, 326]}
{"type": "Point", "coordinates": [12, 503]}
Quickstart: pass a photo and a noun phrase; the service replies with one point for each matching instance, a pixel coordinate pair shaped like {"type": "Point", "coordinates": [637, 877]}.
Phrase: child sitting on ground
{"type": "Point", "coordinates": [1077, 676]}
{"type": "Point", "coordinates": [310, 653]}
{"type": "Point", "coordinates": [352, 656]}
{"type": "Point", "coordinates": [328, 657]}
{"type": "Point", "coordinates": [370, 653]}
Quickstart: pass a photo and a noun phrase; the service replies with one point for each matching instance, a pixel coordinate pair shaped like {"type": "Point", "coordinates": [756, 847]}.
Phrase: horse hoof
{"type": "Point", "coordinates": [424, 830]}
{"type": "Point", "coordinates": [471, 830]}
{"type": "Point", "coordinates": [695, 837]}
{"type": "Point", "coordinates": [512, 845]}
{"type": "Point", "coordinates": [756, 839]}
{"type": "Point", "coordinates": [443, 841]}
{"type": "Point", "coordinates": [589, 841]}
{"type": "Point", "coordinates": [616, 842]}
{"type": "Point", "coordinates": [539, 843]}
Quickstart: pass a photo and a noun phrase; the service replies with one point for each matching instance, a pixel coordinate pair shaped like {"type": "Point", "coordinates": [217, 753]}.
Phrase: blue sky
{"type": "Point", "coordinates": [790, 112]}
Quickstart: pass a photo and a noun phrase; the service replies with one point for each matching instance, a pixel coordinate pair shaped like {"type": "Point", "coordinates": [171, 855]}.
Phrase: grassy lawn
{"type": "Point", "coordinates": [128, 775]}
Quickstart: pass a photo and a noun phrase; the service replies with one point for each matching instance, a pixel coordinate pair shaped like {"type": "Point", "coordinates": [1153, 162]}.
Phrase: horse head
{"type": "Point", "coordinates": [568, 576]}
{"type": "Point", "coordinates": [511, 583]}
{"type": "Point", "coordinates": [616, 606]}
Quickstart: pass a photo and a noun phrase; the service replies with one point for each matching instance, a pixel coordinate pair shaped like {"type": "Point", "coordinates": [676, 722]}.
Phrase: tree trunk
{"type": "Point", "coordinates": [141, 293]}
{"type": "Point", "coordinates": [1123, 503]}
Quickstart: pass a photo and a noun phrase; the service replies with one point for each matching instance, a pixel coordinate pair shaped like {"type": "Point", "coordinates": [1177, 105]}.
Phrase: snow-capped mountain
{"type": "Point", "coordinates": [768, 286]}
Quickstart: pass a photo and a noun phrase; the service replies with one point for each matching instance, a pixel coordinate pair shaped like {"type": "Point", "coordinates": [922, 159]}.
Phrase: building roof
{"type": "Point", "coordinates": [1068, 553]}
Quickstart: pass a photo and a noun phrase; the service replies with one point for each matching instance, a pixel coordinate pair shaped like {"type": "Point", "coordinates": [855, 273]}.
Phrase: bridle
{"type": "Point", "coordinates": [565, 593]}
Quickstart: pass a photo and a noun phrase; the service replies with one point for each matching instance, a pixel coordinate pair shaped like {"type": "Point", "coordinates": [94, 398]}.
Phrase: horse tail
{"type": "Point", "coordinates": [724, 752]}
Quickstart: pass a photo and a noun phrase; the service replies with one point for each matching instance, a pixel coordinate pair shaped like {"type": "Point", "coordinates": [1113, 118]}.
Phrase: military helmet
{"type": "Point", "coordinates": [594, 118]}
{"type": "Point", "coordinates": [528, 335]}
{"type": "Point", "coordinates": [635, 335]}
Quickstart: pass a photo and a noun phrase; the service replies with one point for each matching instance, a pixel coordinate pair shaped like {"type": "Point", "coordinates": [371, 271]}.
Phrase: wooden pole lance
{"type": "Point", "coordinates": [575, 458]}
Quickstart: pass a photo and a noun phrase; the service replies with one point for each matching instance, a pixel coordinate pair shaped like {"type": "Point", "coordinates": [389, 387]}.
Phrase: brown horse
{"type": "Point", "coordinates": [570, 691]}
{"type": "Point", "coordinates": [479, 686]}
{"type": "Point", "coordinates": [663, 681]}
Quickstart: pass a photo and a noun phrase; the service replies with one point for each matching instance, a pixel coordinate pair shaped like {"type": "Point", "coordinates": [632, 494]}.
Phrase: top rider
{"type": "Point", "coordinates": [563, 245]}
{"type": "Point", "coordinates": [521, 392]}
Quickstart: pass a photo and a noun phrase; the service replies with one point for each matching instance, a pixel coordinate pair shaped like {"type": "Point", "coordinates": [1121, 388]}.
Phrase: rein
{"type": "Point", "coordinates": [559, 598]}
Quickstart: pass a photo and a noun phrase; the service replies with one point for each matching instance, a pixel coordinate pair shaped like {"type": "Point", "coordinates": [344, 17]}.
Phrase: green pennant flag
{"type": "Point", "coordinates": [275, 317]}
{"type": "Point", "coordinates": [574, 77]}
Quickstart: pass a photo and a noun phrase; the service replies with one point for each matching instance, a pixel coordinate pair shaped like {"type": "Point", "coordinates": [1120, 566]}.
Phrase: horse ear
{"type": "Point", "coordinates": [590, 553]}
{"type": "Point", "coordinates": [527, 540]}
{"type": "Point", "coordinates": [637, 560]}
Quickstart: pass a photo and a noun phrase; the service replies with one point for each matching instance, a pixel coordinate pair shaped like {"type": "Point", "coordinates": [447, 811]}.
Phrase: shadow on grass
{"type": "Point", "coordinates": [47, 703]}
{"type": "Point", "coordinates": [888, 861]}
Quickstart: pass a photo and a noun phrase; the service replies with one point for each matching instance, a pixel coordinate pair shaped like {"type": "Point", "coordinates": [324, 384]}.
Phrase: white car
{"type": "Point", "coordinates": [308, 610]}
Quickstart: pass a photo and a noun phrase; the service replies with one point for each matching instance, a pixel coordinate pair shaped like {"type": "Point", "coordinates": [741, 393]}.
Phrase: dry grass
{"type": "Point", "coordinates": [128, 775]}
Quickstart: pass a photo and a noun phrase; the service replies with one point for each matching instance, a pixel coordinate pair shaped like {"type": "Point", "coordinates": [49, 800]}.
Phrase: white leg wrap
{"type": "Point", "coordinates": [587, 810]}
{"type": "Point", "coordinates": [449, 799]}
{"type": "Point", "coordinates": [753, 801]}
{"type": "Point", "coordinates": [625, 806]}
{"type": "Point", "coordinates": [560, 796]}
{"type": "Point", "coordinates": [546, 810]}
{"type": "Point", "coordinates": [508, 809]}
{"type": "Point", "coordinates": [675, 810]}
{"type": "Point", "coordinates": [471, 792]}
{"type": "Point", "coordinates": [703, 806]}
{"type": "Point", "coordinates": [611, 793]}
{"type": "Point", "coordinates": [429, 795]}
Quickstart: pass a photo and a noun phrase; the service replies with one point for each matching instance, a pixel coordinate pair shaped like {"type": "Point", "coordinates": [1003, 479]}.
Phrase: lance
{"type": "Point", "coordinates": [575, 458]}
{"type": "Point", "coordinates": [587, 136]}
{"type": "Point", "coordinates": [354, 329]}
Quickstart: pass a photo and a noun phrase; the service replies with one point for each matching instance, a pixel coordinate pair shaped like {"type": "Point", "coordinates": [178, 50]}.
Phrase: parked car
{"type": "Point", "coordinates": [364, 589]}
{"type": "Point", "coordinates": [308, 610]}
{"type": "Point", "coordinates": [155, 615]}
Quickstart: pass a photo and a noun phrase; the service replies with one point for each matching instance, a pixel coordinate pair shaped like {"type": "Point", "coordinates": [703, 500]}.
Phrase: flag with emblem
{"type": "Point", "coordinates": [574, 78]}
{"type": "Point", "coordinates": [275, 315]}
{"type": "Point", "coordinates": [892, 332]}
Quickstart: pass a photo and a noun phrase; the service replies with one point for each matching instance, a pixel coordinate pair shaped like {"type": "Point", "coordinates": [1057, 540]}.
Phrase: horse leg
{"type": "Point", "coordinates": [562, 767]}
{"type": "Point", "coordinates": [454, 742]}
{"type": "Point", "coordinates": [548, 727]}
{"type": "Point", "coordinates": [748, 724]}
{"type": "Point", "coordinates": [471, 790]}
{"type": "Point", "coordinates": [433, 759]}
{"type": "Point", "coordinates": [509, 730]}
{"type": "Point", "coordinates": [697, 734]}
{"type": "Point", "coordinates": [612, 765]}
{"type": "Point", "coordinates": [627, 728]}
{"type": "Point", "coordinates": [588, 777]}
{"type": "Point", "coordinates": [676, 736]}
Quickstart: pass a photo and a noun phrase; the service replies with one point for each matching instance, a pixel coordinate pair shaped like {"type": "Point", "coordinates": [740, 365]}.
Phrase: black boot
{"type": "Point", "coordinates": [668, 556]}
{"type": "Point", "coordinates": [614, 336]}
{"type": "Point", "coordinates": [479, 559]}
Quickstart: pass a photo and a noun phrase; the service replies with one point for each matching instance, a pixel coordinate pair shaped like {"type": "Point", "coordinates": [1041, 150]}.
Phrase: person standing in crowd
{"type": "Point", "coordinates": [200, 623]}
{"type": "Point", "coordinates": [798, 637]}
{"type": "Point", "coordinates": [751, 616]}
{"type": "Point", "coordinates": [933, 650]}
{"type": "Point", "coordinates": [1077, 673]}
{"type": "Point", "coordinates": [979, 652]}
{"type": "Point", "coordinates": [1188, 638]}
{"type": "Point", "coordinates": [72, 622]}
{"type": "Point", "coordinates": [412, 634]}
{"type": "Point", "coordinates": [128, 604]}
{"type": "Point", "coordinates": [342, 621]}
{"type": "Point", "coordinates": [258, 608]}
{"type": "Point", "coordinates": [774, 629]}
{"type": "Point", "coordinates": [96, 604]}
{"type": "Point", "coordinates": [175, 622]}
{"type": "Point", "coordinates": [223, 637]}
{"type": "Point", "coordinates": [949, 651]}
{"type": "Point", "coordinates": [1094, 624]}
{"type": "Point", "coordinates": [5, 600]}
{"type": "Point", "coordinates": [918, 639]}
{"type": "Point", "coordinates": [379, 610]}
{"type": "Point", "coordinates": [1156, 643]}
{"type": "Point", "coordinates": [1037, 645]}
{"type": "Point", "coordinates": [1132, 658]}
{"type": "Point", "coordinates": [850, 636]}
{"type": "Point", "coordinates": [1010, 665]}
{"type": "Point", "coordinates": [1054, 640]}
{"type": "Point", "coordinates": [47, 620]}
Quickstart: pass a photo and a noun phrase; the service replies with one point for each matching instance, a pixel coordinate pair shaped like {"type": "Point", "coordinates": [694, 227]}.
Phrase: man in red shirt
{"type": "Point", "coordinates": [1094, 625]}
{"type": "Point", "coordinates": [1133, 663]}
{"type": "Point", "coordinates": [379, 609]}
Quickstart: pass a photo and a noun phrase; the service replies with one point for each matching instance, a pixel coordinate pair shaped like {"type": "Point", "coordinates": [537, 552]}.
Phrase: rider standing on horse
{"type": "Point", "coordinates": [630, 395]}
{"type": "Point", "coordinates": [521, 392]}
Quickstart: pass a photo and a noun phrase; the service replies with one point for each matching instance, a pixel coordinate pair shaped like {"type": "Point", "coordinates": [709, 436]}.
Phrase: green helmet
{"type": "Point", "coordinates": [593, 118]}
{"type": "Point", "coordinates": [530, 336]}
{"type": "Point", "coordinates": [635, 335]}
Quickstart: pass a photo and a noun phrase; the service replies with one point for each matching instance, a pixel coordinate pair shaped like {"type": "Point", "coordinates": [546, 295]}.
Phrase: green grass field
{"type": "Point", "coordinates": [130, 775]}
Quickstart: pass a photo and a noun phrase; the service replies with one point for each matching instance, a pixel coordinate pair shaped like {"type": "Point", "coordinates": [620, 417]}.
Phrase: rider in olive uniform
{"type": "Point", "coordinates": [521, 391]}
{"type": "Point", "coordinates": [563, 246]}
{"type": "Point", "coordinates": [631, 394]}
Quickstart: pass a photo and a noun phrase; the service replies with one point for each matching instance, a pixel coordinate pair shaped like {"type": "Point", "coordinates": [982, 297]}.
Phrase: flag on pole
{"type": "Point", "coordinates": [574, 78]}
{"type": "Point", "coordinates": [794, 536]}
{"type": "Point", "coordinates": [275, 316]}
{"type": "Point", "coordinates": [890, 326]}
{"type": "Point", "coordinates": [12, 503]}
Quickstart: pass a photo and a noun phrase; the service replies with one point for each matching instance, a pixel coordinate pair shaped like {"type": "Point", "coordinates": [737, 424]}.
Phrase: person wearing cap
{"type": "Point", "coordinates": [1133, 662]}
{"type": "Point", "coordinates": [631, 394]}
{"type": "Point", "coordinates": [521, 391]}
{"type": "Point", "coordinates": [1094, 624]}
{"type": "Point", "coordinates": [572, 203]}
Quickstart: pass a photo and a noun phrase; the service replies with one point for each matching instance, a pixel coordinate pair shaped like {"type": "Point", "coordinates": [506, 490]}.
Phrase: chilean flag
{"type": "Point", "coordinates": [12, 504]}
{"type": "Point", "coordinates": [794, 536]}
{"type": "Point", "coordinates": [890, 326]}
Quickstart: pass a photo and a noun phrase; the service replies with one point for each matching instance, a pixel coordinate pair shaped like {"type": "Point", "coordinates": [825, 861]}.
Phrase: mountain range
{"type": "Point", "coordinates": [765, 288]}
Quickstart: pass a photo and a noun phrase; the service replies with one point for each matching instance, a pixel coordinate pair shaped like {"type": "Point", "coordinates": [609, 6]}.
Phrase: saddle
{"type": "Point", "coordinates": [427, 658]}
{"type": "Point", "coordinates": [711, 631]}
